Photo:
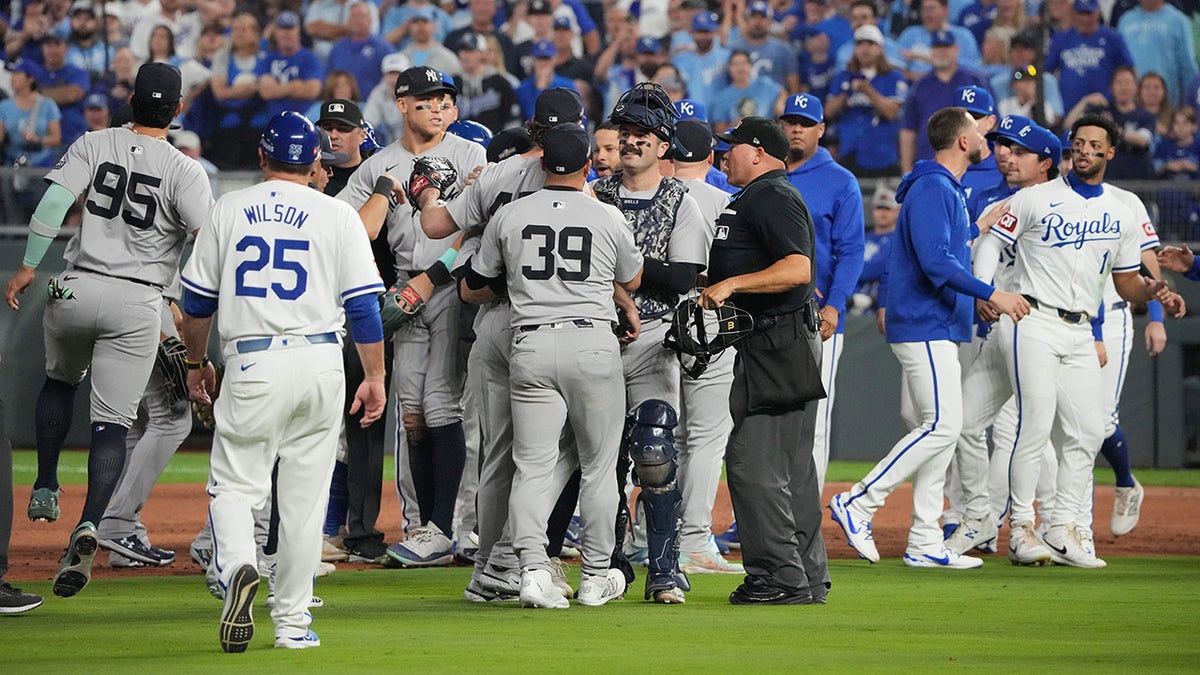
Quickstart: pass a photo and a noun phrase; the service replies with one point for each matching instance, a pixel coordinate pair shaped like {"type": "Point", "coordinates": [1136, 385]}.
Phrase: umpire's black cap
{"type": "Point", "coordinates": [760, 132]}
{"type": "Point", "coordinates": [566, 149]}
{"type": "Point", "coordinates": [158, 83]}
{"type": "Point", "coordinates": [420, 81]}
{"type": "Point", "coordinates": [340, 110]}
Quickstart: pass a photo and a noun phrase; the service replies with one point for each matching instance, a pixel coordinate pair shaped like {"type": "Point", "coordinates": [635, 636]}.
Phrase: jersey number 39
{"type": "Point", "coordinates": [277, 258]}
{"type": "Point", "coordinates": [572, 243]}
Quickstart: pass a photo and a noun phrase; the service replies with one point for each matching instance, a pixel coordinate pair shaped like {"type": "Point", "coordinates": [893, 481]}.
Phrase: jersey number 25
{"type": "Point", "coordinates": [278, 261]}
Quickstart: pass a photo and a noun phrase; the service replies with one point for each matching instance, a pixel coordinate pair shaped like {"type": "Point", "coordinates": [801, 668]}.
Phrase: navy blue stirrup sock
{"type": "Point", "coordinates": [1116, 450]}
{"type": "Point", "coordinates": [52, 421]}
{"type": "Point", "coordinates": [106, 461]}
{"type": "Point", "coordinates": [448, 449]}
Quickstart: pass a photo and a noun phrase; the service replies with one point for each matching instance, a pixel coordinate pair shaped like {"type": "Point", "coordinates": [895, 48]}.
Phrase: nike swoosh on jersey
{"type": "Point", "coordinates": [248, 366]}
{"type": "Point", "coordinates": [1054, 204]}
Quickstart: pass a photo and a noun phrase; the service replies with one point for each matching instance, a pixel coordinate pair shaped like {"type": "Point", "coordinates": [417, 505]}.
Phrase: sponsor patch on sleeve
{"type": "Point", "coordinates": [1148, 228]}
{"type": "Point", "coordinates": [1008, 222]}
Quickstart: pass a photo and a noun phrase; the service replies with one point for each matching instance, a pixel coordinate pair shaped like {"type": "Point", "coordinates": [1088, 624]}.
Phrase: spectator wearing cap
{"type": "Point", "coordinates": [566, 63]}
{"type": "Point", "coordinates": [762, 261]}
{"type": "Point", "coordinates": [483, 22]}
{"type": "Point", "coordinates": [1160, 39]}
{"type": "Point", "coordinates": [290, 76]}
{"type": "Point", "coordinates": [542, 78]}
{"type": "Point", "coordinates": [1023, 51]}
{"type": "Point", "coordinates": [95, 112]}
{"type": "Point", "coordinates": [189, 144]}
{"type": "Point", "coordinates": [29, 122]}
{"type": "Point", "coordinates": [239, 115]}
{"type": "Point", "coordinates": [979, 103]}
{"type": "Point", "coordinates": [359, 51]}
{"type": "Point", "coordinates": [484, 95]}
{"type": "Point", "coordinates": [769, 56]}
{"type": "Point", "coordinates": [834, 202]}
{"type": "Point", "coordinates": [821, 19]}
{"type": "Point", "coordinates": [917, 43]}
{"type": "Point", "coordinates": [85, 50]}
{"type": "Point", "coordinates": [703, 66]}
{"type": "Point", "coordinates": [185, 25]}
{"type": "Point", "coordinates": [649, 56]}
{"type": "Point", "coordinates": [681, 17]}
{"type": "Point", "coordinates": [746, 95]}
{"type": "Point", "coordinates": [397, 23]}
{"type": "Point", "coordinates": [865, 13]}
{"type": "Point", "coordinates": [64, 84]}
{"type": "Point", "coordinates": [1137, 125]}
{"type": "Point", "coordinates": [1086, 56]}
{"type": "Point", "coordinates": [538, 25]}
{"type": "Point", "coordinates": [327, 21]}
{"type": "Point", "coordinates": [931, 92]}
{"type": "Point", "coordinates": [380, 108]}
{"type": "Point", "coordinates": [424, 48]}
{"type": "Point", "coordinates": [864, 105]}
{"type": "Point", "coordinates": [1023, 85]}
{"type": "Point", "coordinates": [877, 247]}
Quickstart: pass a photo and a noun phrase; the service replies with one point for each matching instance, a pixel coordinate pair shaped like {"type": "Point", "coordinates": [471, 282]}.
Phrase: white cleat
{"type": "Point", "coordinates": [945, 559]}
{"type": "Point", "coordinates": [558, 574]}
{"type": "Point", "coordinates": [1025, 547]}
{"type": "Point", "coordinates": [1127, 506]}
{"type": "Point", "coordinates": [1067, 549]}
{"type": "Point", "coordinates": [597, 589]}
{"type": "Point", "coordinates": [971, 534]}
{"type": "Point", "coordinates": [858, 532]}
{"type": "Point", "coordinates": [538, 590]}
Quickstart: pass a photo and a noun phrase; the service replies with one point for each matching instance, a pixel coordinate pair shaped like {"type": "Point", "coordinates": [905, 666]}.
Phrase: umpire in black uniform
{"type": "Point", "coordinates": [763, 261]}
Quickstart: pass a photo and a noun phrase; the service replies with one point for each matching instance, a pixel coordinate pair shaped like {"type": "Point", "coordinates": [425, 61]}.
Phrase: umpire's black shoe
{"type": "Point", "coordinates": [15, 601]}
{"type": "Point", "coordinates": [756, 591]}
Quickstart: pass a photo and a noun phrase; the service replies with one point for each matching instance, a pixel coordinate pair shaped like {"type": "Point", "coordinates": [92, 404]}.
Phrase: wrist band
{"type": "Point", "coordinates": [383, 186]}
{"type": "Point", "coordinates": [195, 365]}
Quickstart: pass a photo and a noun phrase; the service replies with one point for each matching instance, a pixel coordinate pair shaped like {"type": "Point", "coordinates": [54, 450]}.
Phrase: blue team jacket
{"type": "Point", "coordinates": [930, 259]}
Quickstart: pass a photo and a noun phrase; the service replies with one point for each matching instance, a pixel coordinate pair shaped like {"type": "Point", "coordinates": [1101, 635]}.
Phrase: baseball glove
{"type": "Point", "coordinates": [399, 307]}
{"type": "Point", "coordinates": [171, 354]}
{"type": "Point", "coordinates": [204, 411]}
{"type": "Point", "coordinates": [431, 172]}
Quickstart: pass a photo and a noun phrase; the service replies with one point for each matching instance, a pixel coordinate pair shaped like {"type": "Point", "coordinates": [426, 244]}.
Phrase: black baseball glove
{"type": "Point", "coordinates": [431, 172]}
{"type": "Point", "coordinates": [171, 354]}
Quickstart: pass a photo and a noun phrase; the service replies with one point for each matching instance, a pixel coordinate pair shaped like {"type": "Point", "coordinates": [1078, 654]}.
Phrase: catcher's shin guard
{"type": "Point", "coordinates": [651, 442]}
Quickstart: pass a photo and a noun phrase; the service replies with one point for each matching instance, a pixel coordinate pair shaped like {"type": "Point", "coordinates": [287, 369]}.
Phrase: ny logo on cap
{"type": "Point", "coordinates": [801, 101]}
{"type": "Point", "coordinates": [432, 75]}
{"type": "Point", "coordinates": [337, 107]}
{"type": "Point", "coordinates": [968, 95]}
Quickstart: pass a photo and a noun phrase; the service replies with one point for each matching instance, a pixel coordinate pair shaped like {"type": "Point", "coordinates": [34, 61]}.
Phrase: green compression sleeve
{"type": "Point", "coordinates": [46, 222]}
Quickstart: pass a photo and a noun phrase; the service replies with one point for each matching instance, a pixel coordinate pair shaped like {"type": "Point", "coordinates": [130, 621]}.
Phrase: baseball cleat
{"type": "Point", "coordinates": [43, 505]}
{"type": "Point", "coordinates": [500, 580]}
{"type": "Point", "coordinates": [134, 548]}
{"type": "Point", "coordinates": [858, 532]}
{"type": "Point", "coordinates": [331, 549]}
{"type": "Point", "coordinates": [1025, 547]}
{"type": "Point", "coordinates": [310, 639]}
{"type": "Point", "coordinates": [75, 571]}
{"type": "Point", "coordinates": [201, 556]}
{"type": "Point", "coordinates": [558, 574]}
{"type": "Point", "coordinates": [538, 590]}
{"type": "Point", "coordinates": [424, 547]}
{"type": "Point", "coordinates": [597, 589]}
{"type": "Point", "coordinates": [1066, 548]}
{"type": "Point", "coordinates": [15, 601]}
{"type": "Point", "coordinates": [729, 538]}
{"type": "Point", "coordinates": [1127, 506]}
{"type": "Point", "coordinates": [120, 562]}
{"type": "Point", "coordinates": [670, 596]}
{"type": "Point", "coordinates": [475, 592]}
{"type": "Point", "coordinates": [708, 562]}
{"type": "Point", "coordinates": [758, 590]}
{"type": "Point", "coordinates": [324, 569]}
{"type": "Point", "coordinates": [237, 619]}
{"type": "Point", "coordinates": [972, 533]}
{"type": "Point", "coordinates": [944, 558]}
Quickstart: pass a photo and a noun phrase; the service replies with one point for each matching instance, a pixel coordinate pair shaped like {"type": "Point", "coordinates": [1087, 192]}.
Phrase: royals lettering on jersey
{"type": "Point", "coordinates": [1062, 232]}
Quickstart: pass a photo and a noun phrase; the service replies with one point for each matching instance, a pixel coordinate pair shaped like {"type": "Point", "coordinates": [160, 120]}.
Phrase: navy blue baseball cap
{"type": "Point", "coordinates": [691, 109]}
{"type": "Point", "coordinates": [804, 105]}
{"type": "Point", "coordinates": [648, 45]}
{"type": "Point", "coordinates": [544, 49]}
{"type": "Point", "coordinates": [1087, 6]}
{"type": "Point", "coordinates": [758, 7]}
{"type": "Point", "coordinates": [1029, 135]}
{"type": "Point", "coordinates": [562, 23]}
{"type": "Point", "coordinates": [976, 100]}
{"type": "Point", "coordinates": [943, 38]}
{"type": "Point", "coordinates": [558, 105]}
{"type": "Point", "coordinates": [694, 141]}
{"type": "Point", "coordinates": [705, 22]}
{"type": "Point", "coordinates": [287, 19]}
{"type": "Point", "coordinates": [566, 149]}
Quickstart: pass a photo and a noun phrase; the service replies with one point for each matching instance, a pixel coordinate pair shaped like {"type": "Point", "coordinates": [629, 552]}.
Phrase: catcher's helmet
{"type": "Point", "coordinates": [291, 138]}
{"type": "Point", "coordinates": [705, 333]}
{"type": "Point", "coordinates": [646, 106]}
{"type": "Point", "coordinates": [370, 143]}
{"type": "Point", "coordinates": [472, 131]}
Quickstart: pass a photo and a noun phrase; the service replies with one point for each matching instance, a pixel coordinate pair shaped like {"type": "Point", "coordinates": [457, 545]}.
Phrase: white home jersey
{"type": "Point", "coordinates": [265, 249]}
{"type": "Point", "coordinates": [560, 250]}
{"type": "Point", "coordinates": [1004, 277]}
{"type": "Point", "coordinates": [413, 250]}
{"type": "Point", "coordinates": [1147, 235]}
{"type": "Point", "coordinates": [1068, 245]}
{"type": "Point", "coordinates": [143, 198]}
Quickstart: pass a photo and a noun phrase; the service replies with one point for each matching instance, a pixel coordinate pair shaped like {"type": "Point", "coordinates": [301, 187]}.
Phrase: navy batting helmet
{"type": "Point", "coordinates": [291, 138]}
{"type": "Point", "coordinates": [370, 143]}
{"type": "Point", "coordinates": [472, 131]}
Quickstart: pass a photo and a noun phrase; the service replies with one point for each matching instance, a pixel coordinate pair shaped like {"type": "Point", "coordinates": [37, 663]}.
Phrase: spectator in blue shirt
{"type": "Point", "coordinates": [745, 96]}
{"type": "Point", "coordinates": [290, 76]}
{"type": "Point", "coordinates": [64, 84]}
{"type": "Point", "coordinates": [240, 113]}
{"type": "Point", "coordinates": [865, 101]}
{"type": "Point", "coordinates": [703, 67]}
{"type": "Point", "coordinates": [360, 53]}
{"type": "Point", "coordinates": [817, 66]}
{"type": "Point", "coordinates": [1177, 156]}
{"type": "Point", "coordinates": [29, 122]}
{"type": "Point", "coordinates": [1022, 53]}
{"type": "Point", "coordinates": [85, 50]}
{"type": "Point", "coordinates": [819, 17]}
{"type": "Point", "coordinates": [978, 17]}
{"type": "Point", "coordinates": [543, 78]}
{"type": "Point", "coordinates": [1160, 40]}
{"type": "Point", "coordinates": [933, 91]}
{"type": "Point", "coordinates": [1133, 158]}
{"type": "Point", "coordinates": [1086, 56]}
{"type": "Point", "coordinates": [862, 13]}
{"type": "Point", "coordinates": [395, 24]}
{"type": "Point", "coordinates": [916, 42]}
{"type": "Point", "coordinates": [770, 57]}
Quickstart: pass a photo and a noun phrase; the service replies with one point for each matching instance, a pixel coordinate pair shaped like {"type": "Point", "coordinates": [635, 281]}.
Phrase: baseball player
{"type": "Point", "coordinates": [428, 381]}
{"type": "Point", "coordinates": [704, 419]}
{"type": "Point", "coordinates": [288, 268]}
{"type": "Point", "coordinates": [669, 228]}
{"type": "Point", "coordinates": [497, 572]}
{"type": "Point", "coordinates": [1072, 234]}
{"type": "Point", "coordinates": [143, 198]}
{"type": "Point", "coordinates": [929, 309]}
{"type": "Point", "coordinates": [566, 361]}
{"type": "Point", "coordinates": [835, 202]}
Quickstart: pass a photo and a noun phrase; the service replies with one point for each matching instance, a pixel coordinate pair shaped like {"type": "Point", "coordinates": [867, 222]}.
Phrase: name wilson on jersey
{"type": "Point", "coordinates": [278, 213]}
{"type": "Point", "coordinates": [1068, 233]}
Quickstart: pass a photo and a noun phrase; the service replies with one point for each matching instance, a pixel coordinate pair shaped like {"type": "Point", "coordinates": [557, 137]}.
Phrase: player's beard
{"type": "Point", "coordinates": [976, 156]}
{"type": "Point", "coordinates": [1094, 168]}
{"type": "Point", "coordinates": [797, 154]}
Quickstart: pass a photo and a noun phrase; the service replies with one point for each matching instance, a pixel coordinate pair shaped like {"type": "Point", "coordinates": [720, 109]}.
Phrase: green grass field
{"type": "Point", "coordinates": [1137, 615]}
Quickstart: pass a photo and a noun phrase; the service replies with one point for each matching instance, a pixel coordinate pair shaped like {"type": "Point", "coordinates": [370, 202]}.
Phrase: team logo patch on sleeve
{"type": "Point", "coordinates": [1148, 228]}
{"type": "Point", "coordinates": [1008, 222]}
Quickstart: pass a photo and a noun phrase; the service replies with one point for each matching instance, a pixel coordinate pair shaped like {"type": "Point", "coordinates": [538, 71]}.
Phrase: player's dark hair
{"type": "Point", "coordinates": [1053, 172]}
{"type": "Point", "coordinates": [283, 167]}
{"type": "Point", "coordinates": [869, 4]}
{"type": "Point", "coordinates": [946, 126]}
{"type": "Point", "coordinates": [1097, 120]}
{"type": "Point", "coordinates": [537, 131]}
{"type": "Point", "coordinates": [157, 115]}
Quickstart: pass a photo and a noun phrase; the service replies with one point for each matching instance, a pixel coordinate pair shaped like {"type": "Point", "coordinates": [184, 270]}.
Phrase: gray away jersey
{"type": "Point", "coordinates": [561, 251]}
{"type": "Point", "coordinates": [143, 198]}
{"type": "Point", "coordinates": [712, 201]}
{"type": "Point", "coordinates": [497, 185]}
{"type": "Point", "coordinates": [413, 250]}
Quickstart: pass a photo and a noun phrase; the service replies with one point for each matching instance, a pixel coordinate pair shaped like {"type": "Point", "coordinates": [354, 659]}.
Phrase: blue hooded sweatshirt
{"type": "Point", "coordinates": [930, 288]}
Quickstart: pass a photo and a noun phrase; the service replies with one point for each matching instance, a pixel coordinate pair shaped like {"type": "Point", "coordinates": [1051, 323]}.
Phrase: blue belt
{"type": "Point", "coordinates": [263, 344]}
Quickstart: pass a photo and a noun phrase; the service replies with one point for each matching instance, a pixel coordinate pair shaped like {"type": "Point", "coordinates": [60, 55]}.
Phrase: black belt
{"type": "Point", "coordinates": [808, 315]}
{"type": "Point", "coordinates": [569, 323]}
{"type": "Point", "coordinates": [1070, 317]}
{"type": "Point", "coordinates": [263, 344]}
{"type": "Point", "coordinates": [141, 282]}
{"type": "Point", "coordinates": [1118, 305]}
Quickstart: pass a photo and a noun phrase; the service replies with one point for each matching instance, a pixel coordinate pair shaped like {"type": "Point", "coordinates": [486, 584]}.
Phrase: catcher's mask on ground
{"type": "Point", "coordinates": [704, 333]}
